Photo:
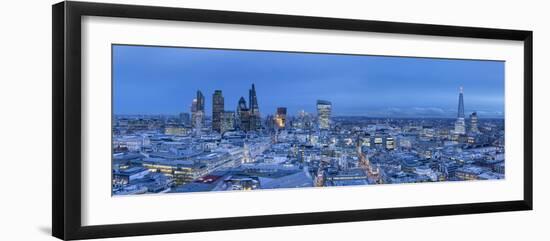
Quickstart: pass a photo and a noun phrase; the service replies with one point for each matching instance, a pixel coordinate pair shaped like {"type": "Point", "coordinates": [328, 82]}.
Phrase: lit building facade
{"type": "Point", "coordinates": [175, 130]}
{"type": "Point", "coordinates": [227, 121]}
{"type": "Point", "coordinates": [390, 143]}
{"type": "Point", "coordinates": [324, 109]}
{"type": "Point", "coordinates": [280, 118]}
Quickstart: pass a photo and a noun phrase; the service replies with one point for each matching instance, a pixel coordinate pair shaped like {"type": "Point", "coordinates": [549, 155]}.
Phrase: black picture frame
{"type": "Point", "coordinates": [66, 128]}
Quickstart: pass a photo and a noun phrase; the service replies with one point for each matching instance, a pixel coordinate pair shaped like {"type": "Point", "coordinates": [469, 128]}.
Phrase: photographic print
{"type": "Point", "coordinates": [297, 125]}
{"type": "Point", "coordinates": [203, 120]}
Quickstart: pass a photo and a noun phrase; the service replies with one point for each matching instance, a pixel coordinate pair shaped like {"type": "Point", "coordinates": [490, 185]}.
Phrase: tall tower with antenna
{"type": "Point", "coordinates": [460, 124]}
{"type": "Point", "coordinates": [255, 119]}
{"type": "Point", "coordinates": [461, 102]}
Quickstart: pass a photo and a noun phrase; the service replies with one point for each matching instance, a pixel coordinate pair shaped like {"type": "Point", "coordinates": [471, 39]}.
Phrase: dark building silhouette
{"type": "Point", "coordinates": [255, 120]}
{"type": "Point", "coordinates": [197, 111]}
{"type": "Point", "coordinates": [242, 115]}
{"type": "Point", "coordinates": [217, 110]}
{"type": "Point", "coordinates": [473, 123]}
{"type": "Point", "coordinates": [200, 101]}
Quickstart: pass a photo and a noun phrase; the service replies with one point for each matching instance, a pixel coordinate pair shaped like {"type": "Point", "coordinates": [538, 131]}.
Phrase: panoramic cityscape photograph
{"type": "Point", "coordinates": [204, 120]}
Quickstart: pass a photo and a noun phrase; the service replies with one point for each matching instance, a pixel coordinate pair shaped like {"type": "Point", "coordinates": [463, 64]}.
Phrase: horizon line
{"type": "Point", "coordinates": [367, 116]}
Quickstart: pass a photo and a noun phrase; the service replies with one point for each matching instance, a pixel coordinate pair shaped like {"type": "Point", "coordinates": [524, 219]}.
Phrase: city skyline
{"type": "Point", "coordinates": [239, 125]}
{"type": "Point", "coordinates": [226, 109]}
{"type": "Point", "coordinates": [167, 94]}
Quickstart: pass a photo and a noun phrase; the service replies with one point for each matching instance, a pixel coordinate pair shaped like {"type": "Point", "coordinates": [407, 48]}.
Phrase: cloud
{"type": "Point", "coordinates": [420, 112]}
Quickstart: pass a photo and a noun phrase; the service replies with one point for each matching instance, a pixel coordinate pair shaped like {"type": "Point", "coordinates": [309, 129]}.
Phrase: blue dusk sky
{"type": "Point", "coordinates": [164, 80]}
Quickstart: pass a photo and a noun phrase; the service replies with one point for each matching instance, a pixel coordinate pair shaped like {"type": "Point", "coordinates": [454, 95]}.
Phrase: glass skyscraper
{"type": "Point", "coordinates": [197, 111]}
{"type": "Point", "coordinates": [324, 109]}
{"type": "Point", "coordinates": [217, 110]}
{"type": "Point", "coordinates": [460, 124]}
{"type": "Point", "coordinates": [255, 119]}
{"type": "Point", "coordinates": [473, 123]}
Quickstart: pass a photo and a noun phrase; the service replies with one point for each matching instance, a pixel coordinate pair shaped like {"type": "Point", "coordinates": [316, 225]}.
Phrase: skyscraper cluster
{"type": "Point", "coordinates": [248, 117]}
{"type": "Point", "coordinates": [244, 118]}
{"type": "Point", "coordinates": [460, 124]}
